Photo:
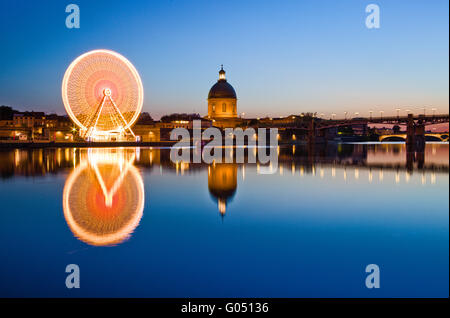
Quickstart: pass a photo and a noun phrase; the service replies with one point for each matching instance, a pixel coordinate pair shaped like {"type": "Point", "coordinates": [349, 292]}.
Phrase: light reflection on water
{"type": "Point", "coordinates": [199, 230]}
{"type": "Point", "coordinates": [103, 198]}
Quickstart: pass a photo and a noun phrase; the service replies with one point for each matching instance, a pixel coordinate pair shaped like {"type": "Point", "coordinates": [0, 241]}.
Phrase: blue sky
{"type": "Point", "coordinates": [282, 57]}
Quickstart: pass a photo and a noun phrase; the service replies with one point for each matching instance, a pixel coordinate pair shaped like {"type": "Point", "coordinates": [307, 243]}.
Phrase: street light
{"type": "Point", "coordinates": [398, 112]}
{"type": "Point", "coordinates": [381, 114]}
{"type": "Point", "coordinates": [356, 114]}
{"type": "Point", "coordinates": [345, 113]}
{"type": "Point", "coordinates": [333, 115]}
{"type": "Point", "coordinates": [370, 112]}
{"type": "Point", "coordinates": [434, 111]}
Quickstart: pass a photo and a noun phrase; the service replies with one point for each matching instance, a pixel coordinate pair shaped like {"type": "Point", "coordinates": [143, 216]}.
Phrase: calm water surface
{"type": "Point", "coordinates": [139, 225]}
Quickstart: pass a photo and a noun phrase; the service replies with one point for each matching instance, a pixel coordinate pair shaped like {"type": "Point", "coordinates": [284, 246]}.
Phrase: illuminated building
{"type": "Point", "coordinates": [222, 100]}
{"type": "Point", "coordinates": [35, 126]}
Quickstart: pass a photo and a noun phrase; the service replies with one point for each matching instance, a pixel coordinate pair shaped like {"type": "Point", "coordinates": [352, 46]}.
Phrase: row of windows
{"type": "Point", "coordinates": [224, 107]}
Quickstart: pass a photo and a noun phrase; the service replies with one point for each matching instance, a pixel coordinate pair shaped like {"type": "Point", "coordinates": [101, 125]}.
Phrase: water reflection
{"type": "Point", "coordinates": [382, 156]}
{"type": "Point", "coordinates": [222, 184]}
{"type": "Point", "coordinates": [104, 193]}
{"type": "Point", "coordinates": [103, 197]}
{"type": "Point", "coordinates": [344, 205]}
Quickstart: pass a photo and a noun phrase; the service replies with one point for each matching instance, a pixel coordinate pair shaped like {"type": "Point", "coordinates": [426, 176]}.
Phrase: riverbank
{"type": "Point", "coordinates": [169, 143]}
{"type": "Point", "coordinates": [29, 144]}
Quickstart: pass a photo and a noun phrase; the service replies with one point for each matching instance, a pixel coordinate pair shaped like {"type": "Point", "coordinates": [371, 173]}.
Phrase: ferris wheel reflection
{"type": "Point", "coordinates": [103, 198]}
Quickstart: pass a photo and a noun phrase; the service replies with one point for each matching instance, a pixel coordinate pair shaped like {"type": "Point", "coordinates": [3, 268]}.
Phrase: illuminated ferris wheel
{"type": "Point", "coordinates": [103, 94]}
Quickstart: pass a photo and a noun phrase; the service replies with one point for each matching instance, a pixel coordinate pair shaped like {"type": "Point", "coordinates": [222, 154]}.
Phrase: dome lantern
{"type": "Point", "coordinates": [222, 74]}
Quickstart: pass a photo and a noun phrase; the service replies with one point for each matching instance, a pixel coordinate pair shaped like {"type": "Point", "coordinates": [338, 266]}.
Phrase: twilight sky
{"type": "Point", "coordinates": [282, 57]}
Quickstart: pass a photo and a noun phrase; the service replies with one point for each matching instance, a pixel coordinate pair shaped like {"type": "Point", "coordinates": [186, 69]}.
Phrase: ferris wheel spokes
{"type": "Point", "coordinates": [109, 194]}
{"type": "Point", "coordinates": [96, 115]}
{"type": "Point", "coordinates": [122, 117]}
{"type": "Point", "coordinates": [92, 124]}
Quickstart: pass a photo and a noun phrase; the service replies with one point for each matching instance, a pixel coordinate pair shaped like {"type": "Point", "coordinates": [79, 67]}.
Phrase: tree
{"type": "Point", "coordinates": [145, 118]}
{"type": "Point", "coordinates": [345, 130]}
{"type": "Point", "coordinates": [176, 116]}
{"type": "Point", "coordinates": [396, 129]}
{"type": "Point", "coordinates": [6, 113]}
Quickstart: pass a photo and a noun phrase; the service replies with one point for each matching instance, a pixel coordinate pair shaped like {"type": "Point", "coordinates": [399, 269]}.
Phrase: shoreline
{"type": "Point", "coordinates": [168, 143]}
{"type": "Point", "coordinates": [113, 144]}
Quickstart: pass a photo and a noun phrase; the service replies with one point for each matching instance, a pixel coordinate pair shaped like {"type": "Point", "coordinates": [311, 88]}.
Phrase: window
{"type": "Point", "coordinates": [224, 107]}
{"type": "Point", "coordinates": [213, 107]}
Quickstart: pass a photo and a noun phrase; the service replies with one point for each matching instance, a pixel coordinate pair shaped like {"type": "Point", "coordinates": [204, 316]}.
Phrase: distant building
{"type": "Point", "coordinates": [222, 103]}
{"type": "Point", "coordinates": [36, 126]}
{"type": "Point", "coordinates": [29, 119]}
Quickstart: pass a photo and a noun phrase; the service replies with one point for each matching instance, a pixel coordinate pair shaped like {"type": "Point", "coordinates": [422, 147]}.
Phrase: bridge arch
{"type": "Point", "coordinates": [402, 137]}
{"type": "Point", "coordinates": [396, 137]}
{"type": "Point", "coordinates": [436, 137]}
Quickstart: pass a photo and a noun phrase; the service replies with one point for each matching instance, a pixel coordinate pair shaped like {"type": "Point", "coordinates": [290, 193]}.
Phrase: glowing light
{"type": "Point", "coordinates": [222, 206]}
{"type": "Point", "coordinates": [107, 92]}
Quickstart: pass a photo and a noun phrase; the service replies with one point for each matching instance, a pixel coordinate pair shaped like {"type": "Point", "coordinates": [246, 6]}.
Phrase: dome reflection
{"type": "Point", "coordinates": [222, 184]}
{"type": "Point", "coordinates": [103, 198]}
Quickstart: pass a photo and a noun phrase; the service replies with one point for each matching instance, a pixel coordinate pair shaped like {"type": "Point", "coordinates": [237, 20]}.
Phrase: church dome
{"type": "Point", "coordinates": [222, 89]}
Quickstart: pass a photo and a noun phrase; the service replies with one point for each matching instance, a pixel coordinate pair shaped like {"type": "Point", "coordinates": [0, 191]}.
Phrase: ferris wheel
{"type": "Point", "coordinates": [103, 94]}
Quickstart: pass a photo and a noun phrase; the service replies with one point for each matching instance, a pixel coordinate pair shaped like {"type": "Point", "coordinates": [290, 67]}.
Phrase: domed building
{"type": "Point", "coordinates": [222, 100]}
